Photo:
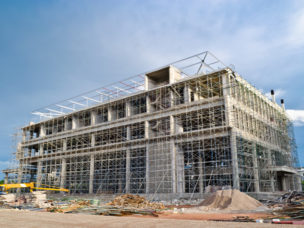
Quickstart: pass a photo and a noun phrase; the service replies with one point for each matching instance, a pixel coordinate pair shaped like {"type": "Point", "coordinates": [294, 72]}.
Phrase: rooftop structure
{"type": "Point", "coordinates": [186, 129]}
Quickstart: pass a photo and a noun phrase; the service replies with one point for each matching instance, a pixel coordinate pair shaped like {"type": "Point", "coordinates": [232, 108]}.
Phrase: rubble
{"type": "Point", "coordinates": [288, 206]}
{"type": "Point", "coordinates": [135, 201]}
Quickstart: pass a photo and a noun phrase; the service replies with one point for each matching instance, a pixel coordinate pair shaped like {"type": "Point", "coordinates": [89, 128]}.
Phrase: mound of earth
{"type": "Point", "coordinates": [229, 200]}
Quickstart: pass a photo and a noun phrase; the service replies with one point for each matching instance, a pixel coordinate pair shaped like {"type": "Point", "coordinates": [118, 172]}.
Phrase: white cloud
{"type": "Point", "coordinates": [297, 116]}
{"type": "Point", "coordinates": [296, 29]}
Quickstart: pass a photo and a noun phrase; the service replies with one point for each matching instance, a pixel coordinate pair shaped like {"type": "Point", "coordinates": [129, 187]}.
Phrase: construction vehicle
{"type": "Point", "coordinates": [31, 186]}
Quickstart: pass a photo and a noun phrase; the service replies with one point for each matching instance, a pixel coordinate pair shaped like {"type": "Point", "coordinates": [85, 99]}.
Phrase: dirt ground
{"type": "Point", "coordinates": [31, 219]}
{"type": "Point", "coordinates": [213, 216]}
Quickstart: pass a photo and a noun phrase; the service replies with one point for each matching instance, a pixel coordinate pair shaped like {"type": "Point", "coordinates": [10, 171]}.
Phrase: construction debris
{"type": "Point", "coordinates": [289, 206]}
{"type": "Point", "coordinates": [135, 201]}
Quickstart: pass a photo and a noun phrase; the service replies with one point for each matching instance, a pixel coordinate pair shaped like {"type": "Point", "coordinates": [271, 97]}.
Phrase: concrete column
{"type": "Point", "coordinates": [110, 113]}
{"type": "Point", "coordinates": [93, 140]}
{"type": "Point", "coordinates": [172, 125]}
{"type": "Point", "coordinates": [42, 131]}
{"type": "Point", "coordinates": [148, 104]}
{"type": "Point", "coordinates": [187, 94]}
{"type": "Point", "coordinates": [235, 167]}
{"type": "Point", "coordinates": [66, 124]}
{"type": "Point", "coordinates": [20, 176]}
{"type": "Point", "coordinates": [6, 178]}
{"type": "Point", "coordinates": [226, 85]}
{"type": "Point", "coordinates": [128, 108]}
{"type": "Point", "coordinates": [200, 178]}
{"type": "Point", "coordinates": [146, 129]}
{"type": "Point", "coordinates": [178, 126]}
{"type": "Point", "coordinates": [128, 173]}
{"type": "Point", "coordinates": [128, 133]}
{"type": "Point", "coordinates": [75, 122]}
{"type": "Point", "coordinates": [147, 170]}
{"type": "Point", "coordinates": [173, 166]}
{"type": "Point", "coordinates": [23, 135]}
{"type": "Point", "coordinates": [299, 183]}
{"type": "Point", "coordinates": [64, 144]}
{"type": "Point", "coordinates": [93, 117]}
{"type": "Point", "coordinates": [39, 174]}
{"type": "Point", "coordinates": [180, 173]}
{"type": "Point", "coordinates": [172, 98]}
{"type": "Point", "coordinates": [272, 185]}
{"type": "Point", "coordinates": [41, 149]}
{"type": "Point", "coordinates": [91, 182]}
{"type": "Point", "coordinates": [255, 169]}
{"type": "Point", "coordinates": [63, 173]}
{"type": "Point", "coordinates": [284, 183]}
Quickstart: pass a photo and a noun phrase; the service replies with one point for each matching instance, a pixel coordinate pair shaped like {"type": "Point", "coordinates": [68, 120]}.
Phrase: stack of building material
{"type": "Point", "coordinates": [135, 201]}
{"type": "Point", "coordinates": [40, 199]}
{"type": "Point", "coordinates": [288, 206]}
{"type": "Point", "coordinates": [8, 198]}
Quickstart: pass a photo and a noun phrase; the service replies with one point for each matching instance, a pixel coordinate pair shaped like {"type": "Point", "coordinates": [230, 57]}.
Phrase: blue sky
{"type": "Point", "coordinates": [53, 50]}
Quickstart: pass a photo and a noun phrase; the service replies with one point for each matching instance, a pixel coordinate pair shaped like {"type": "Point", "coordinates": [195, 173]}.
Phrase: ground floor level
{"type": "Point", "coordinates": [29, 219]}
{"type": "Point", "coordinates": [198, 164]}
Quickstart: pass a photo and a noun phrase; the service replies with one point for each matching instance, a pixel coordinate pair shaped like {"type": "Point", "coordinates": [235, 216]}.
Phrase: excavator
{"type": "Point", "coordinates": [31, 186]}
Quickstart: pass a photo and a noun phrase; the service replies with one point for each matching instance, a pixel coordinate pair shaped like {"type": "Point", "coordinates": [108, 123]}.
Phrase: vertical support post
{"type": "Point", "coordinates": [42, 130]}
{"type": "Point", "coordinates": [255, 168]}
{"type": "Point", "coordinates": [20, 176]}
{"type": "Point", "coordinates": [64, 144]}
{"type": "Point", "coordinates": [23, 135]}
{"type": "Point", "coordinates": [128, 108]}
{"type": "Point", "coordinates": [128, 133]}
{"type": "Point", "coordinates": [272, 185]}
{"type": "Point", "coordinates": [41, 149]}
{"type": "Point", "coordinates": [147, 169]}
{"type": "Point", "coordinates": [93, 141]}
{"type": "Point", "coordinates": [172, 98]}
{"type": "Point", "coordinates": [128, 173]}
{"type": "Point", "coordinates": [235, 166]}
{"type": "Point", "coordinates": [39, 174]}
{"type": "Point", "coordinates": [74, 122]}
{"type": "Point", "coordinates": [6, 178]}
{"type": "Point", "coordinates": [187, 94]}
{"type": "Point", "coordinates": [66, 123]}
{"type": "Point", "coordinates": [172, 125]}
{"type": "Point", "coordinates": [201, 179]}
{"type": "Point", "coordinates": [93, 117]}
{"type": "Point", "coordinates": [148, 103]}
{"type": "Point", "coordinates": [110, 112]}
{"type": "Point", "coordinates": [63, 173]}
{"type": "Point", "coordinates": [180, 170]}
{"type": "Point", "coordinates": [173, 165]}
{"type": "Point", "coordinates": [91, 182]}
{"type": "Point", "coordinates": [146, 129]}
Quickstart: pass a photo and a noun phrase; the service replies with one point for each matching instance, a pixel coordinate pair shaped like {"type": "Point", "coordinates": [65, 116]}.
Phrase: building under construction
{"type": "Point", "coordinates": [183, 130]}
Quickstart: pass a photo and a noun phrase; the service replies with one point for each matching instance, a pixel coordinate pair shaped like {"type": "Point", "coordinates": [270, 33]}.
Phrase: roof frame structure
{"type": "Point", "coordinates": [201, 63]}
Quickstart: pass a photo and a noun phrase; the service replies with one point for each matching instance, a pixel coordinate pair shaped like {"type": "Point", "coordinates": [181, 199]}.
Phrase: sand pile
{"type": "Point", "coordinates": [229, 200]}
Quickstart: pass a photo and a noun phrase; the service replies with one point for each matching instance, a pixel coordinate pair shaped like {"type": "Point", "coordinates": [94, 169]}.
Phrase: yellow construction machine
{"type": "Point", "coordinates": [31, 186]}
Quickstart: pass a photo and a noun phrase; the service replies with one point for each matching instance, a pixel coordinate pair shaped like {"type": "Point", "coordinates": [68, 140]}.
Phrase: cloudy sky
{"type": "Point", "coordinates": [53, 50]}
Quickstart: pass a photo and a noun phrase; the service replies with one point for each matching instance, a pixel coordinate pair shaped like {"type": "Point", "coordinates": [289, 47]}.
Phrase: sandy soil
{"type": "Point", "coordinates": [30, 219]}
{"type": "Point", "coordinates": [213, 216]}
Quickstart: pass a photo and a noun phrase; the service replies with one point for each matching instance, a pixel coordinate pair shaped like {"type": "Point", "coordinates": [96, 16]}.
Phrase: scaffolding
{"type": "Point", "coordinates": [186, 129]}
